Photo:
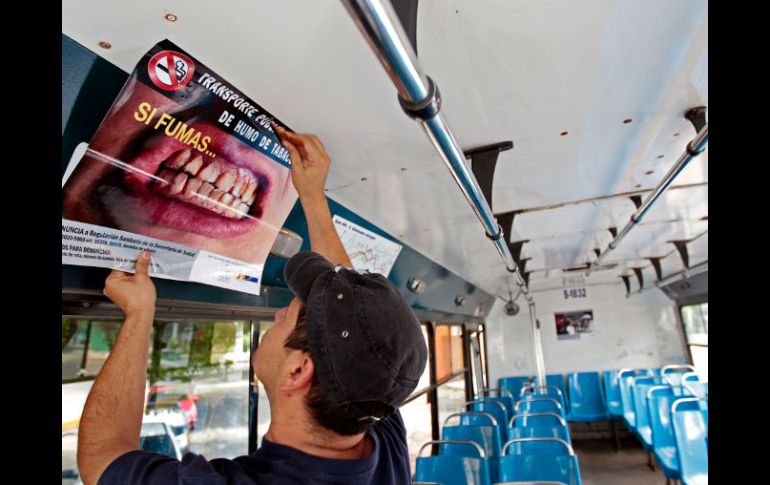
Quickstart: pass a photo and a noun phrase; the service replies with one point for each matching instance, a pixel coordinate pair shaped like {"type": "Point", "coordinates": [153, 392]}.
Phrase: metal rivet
{"type": "Point", "coordinates": [105, 45]}
{"type": "Point", "coordinates": [170, 17]}
{"type": "Point", "coordinates": [627, 121]}
{"type": "Point", "coordinates": [345, 334]}
{"type": "Point", "coordinates": [339, 297]}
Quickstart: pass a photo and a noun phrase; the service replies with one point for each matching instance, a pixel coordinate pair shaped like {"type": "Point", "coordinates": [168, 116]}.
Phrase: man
{"type": "Point", "coordinates": [336, 365]}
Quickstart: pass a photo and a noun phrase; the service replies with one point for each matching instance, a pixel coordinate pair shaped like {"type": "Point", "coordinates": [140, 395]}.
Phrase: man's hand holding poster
{"type": "Point", "coordinates": [183, 165]}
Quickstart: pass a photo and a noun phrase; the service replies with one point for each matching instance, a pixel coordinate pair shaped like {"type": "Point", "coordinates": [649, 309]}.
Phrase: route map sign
{"type": "Point", "coordinates": [367, 250]}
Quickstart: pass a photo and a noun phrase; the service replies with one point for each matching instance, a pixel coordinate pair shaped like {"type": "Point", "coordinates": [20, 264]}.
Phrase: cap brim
{"type": "Point", "coordinates": [302, 270]}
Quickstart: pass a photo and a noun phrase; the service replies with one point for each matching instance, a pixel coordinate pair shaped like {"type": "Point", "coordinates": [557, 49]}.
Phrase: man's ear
{"type": "Point", "coordinates": [300, 371]}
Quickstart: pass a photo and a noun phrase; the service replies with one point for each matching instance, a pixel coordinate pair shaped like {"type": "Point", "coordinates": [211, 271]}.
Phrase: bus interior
{"type": "Point", "coordinates": [541, 168]}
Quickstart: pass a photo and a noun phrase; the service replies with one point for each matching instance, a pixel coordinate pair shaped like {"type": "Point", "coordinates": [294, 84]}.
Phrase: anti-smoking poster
{"type": "Point", "coordinates": [574, 325]}
{"type": "Point", "coordinates": [183, 165]}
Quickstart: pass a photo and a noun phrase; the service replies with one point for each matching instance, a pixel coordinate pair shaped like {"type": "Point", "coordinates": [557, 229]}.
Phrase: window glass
{"type": "Point", "coordinates": [417, 420]}
{"type": "Point", "coordinates": [197, 391]}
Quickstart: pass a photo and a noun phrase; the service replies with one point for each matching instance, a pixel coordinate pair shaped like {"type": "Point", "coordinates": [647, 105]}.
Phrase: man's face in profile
{"type": "Point", "coordinates": [269, 358]}
{"type": "Point", "coordinates": [228, 199]}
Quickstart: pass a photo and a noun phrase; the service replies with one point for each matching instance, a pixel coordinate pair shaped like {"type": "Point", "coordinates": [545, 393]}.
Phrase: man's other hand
{"type": "Point", "coordinates": [133, 293]}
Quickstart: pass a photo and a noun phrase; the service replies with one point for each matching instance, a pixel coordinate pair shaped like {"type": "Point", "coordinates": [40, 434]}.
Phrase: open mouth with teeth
{"type": "Point", "coordinates": [214, 185]}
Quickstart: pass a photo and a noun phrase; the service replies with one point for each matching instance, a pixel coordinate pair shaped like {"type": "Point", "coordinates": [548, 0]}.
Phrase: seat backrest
{"type": "Point", "coordinates": [659, 401]}
{"type": "Point", "coordinates": [496, 409]}
{"type": "Point", "coordinates": [549, 419]}
{"type": "Point", "coordinates": [586, 399]}
{"type": "Point", "coordinates": [503, 395]}
{"type": "Point", "coordinates": [539, 469]}
{"type": "Point", "coordinates": [612, 392]}
{"type": "Point", "coordinates": [625, 380]}
{"type": "Point", "coordinates": [539, 432]}
{"type": "Point", "coordinates": [691, 434]}
{"type": "Point", "coordinates": [514, 384]}
{"type": "Point", "coordinates": [559, 464]}
{"type": "Point", "coordinates": [540, 404]}
{"type": "Point", "coordinates": [537, 445]}
{"type": "Point", "coordinates": [453, 469]}
{"type": "Point", "coordinates": [488, 437]}
{"type": "Point", "coordinates": [695, 389]}
{"type": "Point", "coordinates": [639, 391]}
{"type": "Point", "coordinates": [672, 374]}
{"type": "Point", "coordinates": [557, 380]}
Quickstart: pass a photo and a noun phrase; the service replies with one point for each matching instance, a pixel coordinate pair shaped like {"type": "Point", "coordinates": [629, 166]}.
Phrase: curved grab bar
{"type": "Point", "coordinates": [471, 413]}
{"type": "Point", "coordinates": [516, 440]}
{"type": "Point", "coordinates": [487, 399]}
{"type": "Point", "coordinates": [687, 399]}
{"type": "Point", "coordinates": [688, 375]}
{"type": "Point", "coordinates": [676, 366]}
{"type": "Point", "coordinates": [639, 378]}
{"type": "Point", "coordinates": [455, 442]}
{"type": "Point", "coordinates": [499, 390]}
{"type": "Point", "coordinates": [518, 404]}
{"type": "Point", "coordinates": [656, 388]}
{"type": "Point", "coordinates": [525, 415]}
{"type": "Point", "coordinates": [525, 388]}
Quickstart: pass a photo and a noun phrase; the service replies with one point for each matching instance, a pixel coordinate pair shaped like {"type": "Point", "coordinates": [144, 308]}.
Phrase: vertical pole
{"type": "Point", "coordinates": [537, 344]}
{"type": "Point", "coordinates": [433, 393]}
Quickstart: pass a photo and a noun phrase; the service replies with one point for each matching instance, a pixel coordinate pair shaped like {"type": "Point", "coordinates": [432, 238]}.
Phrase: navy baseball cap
{"type": "Point", "coordinates": [365, 341]}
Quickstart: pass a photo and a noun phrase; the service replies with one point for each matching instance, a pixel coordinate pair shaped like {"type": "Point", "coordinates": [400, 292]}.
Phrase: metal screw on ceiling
{"type": "Point", "coordinates": [105, 45]}
{"type": "Point", "coordinates": [171, 17]}
{"type": "Point", "coordinates": [564, 133]}
{"type": "Point", "coordinates": [627, 121]}
{"type": "Point", "coordinates": [648, 172]}
{"type": "Point", "coordinates": [660, 156]}
{"type": "Point", "coordinates": [364, 179]}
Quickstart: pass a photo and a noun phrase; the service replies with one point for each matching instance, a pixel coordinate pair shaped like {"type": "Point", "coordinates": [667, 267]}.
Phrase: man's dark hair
{"type": "Point", "coordinates": [323, 411]}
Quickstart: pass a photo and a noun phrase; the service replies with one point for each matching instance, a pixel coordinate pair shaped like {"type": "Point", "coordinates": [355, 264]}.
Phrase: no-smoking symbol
{"type": "Point", "coordinates": [170, 70]}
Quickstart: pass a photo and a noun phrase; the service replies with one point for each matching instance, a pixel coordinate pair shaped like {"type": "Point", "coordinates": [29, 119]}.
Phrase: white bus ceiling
{"type": "Point", "coordinates": [525, 71]}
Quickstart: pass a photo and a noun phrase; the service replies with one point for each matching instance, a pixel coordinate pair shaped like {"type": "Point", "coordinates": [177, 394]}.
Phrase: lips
{"type": "Point", "coordinates": [180, 188]}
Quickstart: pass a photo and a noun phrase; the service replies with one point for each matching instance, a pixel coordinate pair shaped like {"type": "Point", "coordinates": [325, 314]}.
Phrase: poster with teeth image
{"type": "Point", "coordinates": [186, 166]}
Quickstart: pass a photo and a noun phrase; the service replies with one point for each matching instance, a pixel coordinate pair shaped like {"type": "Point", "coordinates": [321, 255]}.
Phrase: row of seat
{"type": "Point", "coordinates": [501, 439]}
{"type": "Point", "coordinates": [668, 413]}
{"type": "Point", "coordinates": [587, 396]}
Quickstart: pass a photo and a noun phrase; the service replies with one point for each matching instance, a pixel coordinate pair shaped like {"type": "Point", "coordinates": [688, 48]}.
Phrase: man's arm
{"type": "Point", "coordinates": [309, 168]}
{"type": "Point", "coordinates": [112, 417]}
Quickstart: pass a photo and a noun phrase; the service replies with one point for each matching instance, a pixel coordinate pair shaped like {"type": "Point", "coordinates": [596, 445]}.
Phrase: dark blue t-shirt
{"type": "Point", "coordinates": [273, 463]}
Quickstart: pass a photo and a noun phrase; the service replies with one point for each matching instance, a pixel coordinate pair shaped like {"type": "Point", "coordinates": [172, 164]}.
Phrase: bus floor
{"type": "Point", "coordinates": [600, 464]}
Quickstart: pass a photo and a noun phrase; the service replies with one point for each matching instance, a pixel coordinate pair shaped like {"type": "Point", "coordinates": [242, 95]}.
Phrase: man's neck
{"type": "Point", "coordinates": [299, 435]}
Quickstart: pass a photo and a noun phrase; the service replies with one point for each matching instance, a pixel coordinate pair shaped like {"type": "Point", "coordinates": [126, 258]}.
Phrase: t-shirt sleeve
{"type": "Point", "coordinates": [395, 425]}
{"type": "Point", "coordinates": [140, 467]}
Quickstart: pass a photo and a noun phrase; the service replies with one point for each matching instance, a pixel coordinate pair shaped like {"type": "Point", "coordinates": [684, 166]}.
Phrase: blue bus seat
{"type": "Point", "coordinates": [496, 409]}
{"type": "Point", "coordinates": [503, 395]}
{"type": "Point", "coordinates": [672, 374]}
{"type": "Point", "coordinates": [612, 393]}
{"type": "Point", "coordinates": [586, 399]}
{"type": "Point", "coordinates": [659, 401]}
{"type": "Point", "coordinates": [691, 434]}
{"type": "Point", "coordinates": [557, 380]}
{"type": "Point", "coordinates": [642, 429]}
{"type": "Point", "coordinates": [560, 465]}
{"type": "Point", "coordinates": [547, 390]}
{"type": "Point", "coordinates": [537, 404]}
{"type": "Point", "coordinates": [514, 384]}
{"type": "Point", "coordinates": [695, 389]}
{"type": "Point", "coordinates": [484, 431]}
{"type": "Point", "coordinates": [453, 469]}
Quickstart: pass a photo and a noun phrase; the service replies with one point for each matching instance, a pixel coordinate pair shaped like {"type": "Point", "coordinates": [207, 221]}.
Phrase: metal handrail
{"type": "Point", "coordinates": [656, 388]}
{"type": "Point", "coordinates": [487, 399]}
{"type": "Point", "coordinates": [525, 388]}
{"type": "Point", "coordinates": [499, 390]}
{"type": "Point", "coordinates": [471, 413]}
{"type": "Point", "coordinates": [694, 148]}
{"type": "Point", "coordinates": [516, 440]}
{"type": "Point", "coordinates": [558, 404]}
{"type": "Point", "coordinates": [455, 442]}
{"type": "Point", "coordinates": [687, 375]}
{"type": "Point", "coordinates": [686, 399]}
{"type": "Point", "coordinates": [419, 97]}
{"type": "Point", "coordinates": [666, 368]}
{"type": "Point", "coordinates": [526, 415]}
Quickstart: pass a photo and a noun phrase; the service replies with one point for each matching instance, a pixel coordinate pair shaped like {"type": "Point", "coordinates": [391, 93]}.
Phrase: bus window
{"type": "Point", "coordinates": [197, 382]}
{"type": "Point", "coordinates": [416, 413]}
{"type": "Point", "coordinates": [695, 319]}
